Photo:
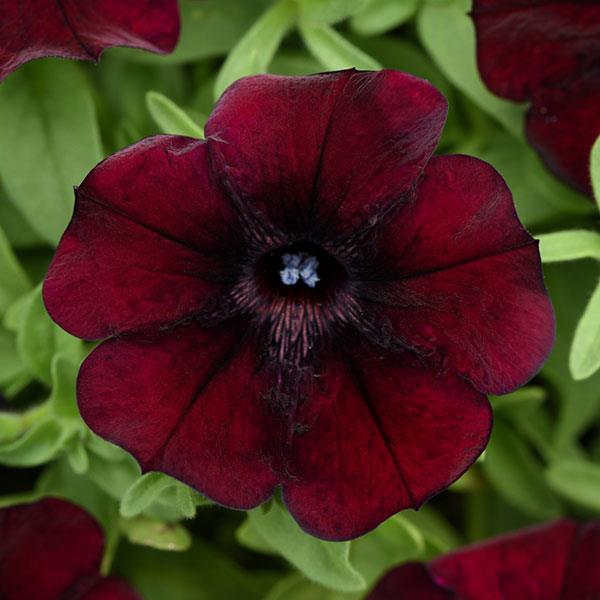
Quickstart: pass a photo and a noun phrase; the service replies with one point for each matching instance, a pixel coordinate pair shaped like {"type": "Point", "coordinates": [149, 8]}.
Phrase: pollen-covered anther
{"type": "Point", "coordinates": [299, 267]}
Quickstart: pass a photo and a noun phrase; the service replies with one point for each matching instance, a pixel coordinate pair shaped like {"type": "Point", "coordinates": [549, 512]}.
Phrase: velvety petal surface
{"type": "Point", "coordinates": [527, 564]}
{"type": "Point", "coordinates": [563, 124]}
{"type": "Point", "coordinates": [82, 29]}
{"type": "Point", "coordinates": [582, 577]}
{"type": "Point", "coordinates": [560, 38]}
{"type": "Point", "coordinates": [45, 548]}
{"type": "Point", "coordinates": [189, 403]}
{"type": "Point", "coordinates": [150, 241]}
{"type": "Point", "coordinates": [201, 407]}
{"type": "Point", "coordinates": [110, 588]}
{"type": "Point", "coordinates": [561, 76]}
{"type": "Point", "coordinates": [411, 581]}
{"type": "Point", "coordinates": [460, 280]}
{"type": "Point", "coordinates": [339, 146]}
{"type": "Point", "coordinates": [378, 435]}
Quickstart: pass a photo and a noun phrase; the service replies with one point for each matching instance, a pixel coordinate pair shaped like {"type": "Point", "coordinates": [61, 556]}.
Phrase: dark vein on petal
{"type": "Point", "coordinates": [220, 364]}
{"type": "Point", "coordinates": [78, 39]}
{"type": "Point", "coordinates": [83, 194]}
{"type": "Point", "coordinates": [467, 261]}
{"type": "Point", "coordinates": [319, 167]}
{"type": "Point", "coordinates": [363, 393]}
{"type": "Point", "coordinates": [577, 535]}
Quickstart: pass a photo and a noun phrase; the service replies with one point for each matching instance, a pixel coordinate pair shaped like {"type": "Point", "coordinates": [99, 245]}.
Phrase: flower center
{"type": "Point", "coordinates": [299, 267]}
{"type": "Point", "coordinates": [300, 271]}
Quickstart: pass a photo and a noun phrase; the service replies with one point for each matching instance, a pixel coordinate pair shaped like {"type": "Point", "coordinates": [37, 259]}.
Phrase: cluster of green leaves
{"type": "Point", "coordinates": [60, 118]}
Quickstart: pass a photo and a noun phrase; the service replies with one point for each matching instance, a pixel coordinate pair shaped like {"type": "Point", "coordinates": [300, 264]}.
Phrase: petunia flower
{"type": "Point", "coordinates": [306, 299]}
{"type": "Point", "coordinates": [83, 29]}
{"type": "Point", "coordinates": [555, 561]}
{"type": "Point", "coordinates": [548, 53]}
{"type": "Point", "coordinates": [51, 550]}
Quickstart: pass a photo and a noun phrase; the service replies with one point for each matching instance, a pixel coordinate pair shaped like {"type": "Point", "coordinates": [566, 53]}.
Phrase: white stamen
{"type": "Point", "coordinates": [299, 266]}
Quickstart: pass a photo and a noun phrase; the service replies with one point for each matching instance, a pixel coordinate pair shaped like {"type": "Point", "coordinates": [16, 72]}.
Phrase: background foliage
{"type": "Point", "coordinates": [60, 118]}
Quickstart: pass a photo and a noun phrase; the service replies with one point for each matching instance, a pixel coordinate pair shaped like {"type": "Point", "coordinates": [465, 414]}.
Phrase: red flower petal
{"type": "Point", "coordinates": [187, 403]}
{"type": "Point", "coordinates": [45, 548]}
{"type": "Point", "coordinates": [346, 142]}
{"type": "Point", "coordinates": [385, 434]}
{"type": "Point", "coordinates": [198, 406]}
{"type": "Point", "coordinates": [466, 277]}
{"type": "Point", "coordinates": [110, 588]}
{"type": "Point", "coordinates": [146, 242]}
{"type": "Point", "coordinates": [561, 40]}
{"type": "Point", "coordinates": [526, 564]}
{"type": "Point", "coordinates": [555, 561]}
{"type": "Point", "coordinates": [582, 577]}
{"type": "Point", "coordinates": [412, 581]}
{"type": "Point", "coordinates": [563, 124]}
{"type": "Point", "coordinates": [83, 29]}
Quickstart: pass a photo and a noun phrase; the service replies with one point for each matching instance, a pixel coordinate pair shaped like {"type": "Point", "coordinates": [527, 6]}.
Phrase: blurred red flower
{"type": "Point", "coordinates": [51, 550]}
{"type": "Point", "coordinates": [556, 561]}
{"type": "Point", "coordinates": [83, 29]}
{"type": "Point", "coordinates": [548, 53]}
{"type": "Point", "coordinates": [306, 299]}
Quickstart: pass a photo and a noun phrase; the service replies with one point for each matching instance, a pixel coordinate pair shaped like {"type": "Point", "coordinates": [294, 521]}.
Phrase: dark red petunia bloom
{"type": "Point", "coordinates": [547, 52]}
{"type": "Point", "coordinates": [556, 561]}
{"type": "Point", "coordinates": [83, 29]}
{"type": "Point", "coordinates": [306, 299]}
{"type": "Point", "coordinates": [51, 550]}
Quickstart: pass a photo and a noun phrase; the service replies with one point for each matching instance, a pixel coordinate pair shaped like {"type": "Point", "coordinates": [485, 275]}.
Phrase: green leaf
{"type": "Point", "coordinates": [113, 477]}
{"type": "Point", "coordinates": [39, 339]}
{"type": "Point", "coordinates": [20, 498]}
{"type": "Point", "coordinates": [247, 535]}
{"type": "Point", "coordinates": [143, 492]}
{"type": "Point", "coordinates": [395, 541]}
{"type": "Point", "coordinates": [170, 118]}
{"type": "Point", "coordinates": [379, 16]}
{"type": "Point", "coordinates": [437, 532]}
{"type": "Point", "coordinates": [105, 450]}
{"type": "Point", "coordinates": [569, 245]}
{"type": "Point", "coordinates": [77, 455]}
{"type": "Point", "coordinates": [15, 424]}
{"type": "Point", "coordinates": [208, 28]}
{"type": "Point", "coordinates": [330, 11]}
{"type": "Point", "coordinates": [63, 376]}
{"type": "Point", "coordinates": [294, 62]}
{"type": "Point", "coordinates": [448, 34]}
{"type": "Point", "coordinates": [570, 285]}
{"type": "Point", "coordinates": [13, 280]}
{"type": "Point", "coordinates": [577, 481]}
{"type": "Point", "coordinates": [38, 445]}
{"type": "Point", "coordinates": [11, 366]}
{"type": "Point", "coordinates": [296, 587]}
{"type": "Point", "coordinates": [154, 492]}
{"type": "Point", "coordinates": [124, 85]}
{"type": "Point", "coordinates": [595, 170]}
{"type": "Point", "coordinates": [530, 395]}
{"type": "Point", "coordinates": [516, 474]}
{"type": "Point", "coordinates": [156, 534]}
{"type": "Point", "coordinates": [255, 50]}
{"type": "Point", "coordinates": [48, 120]}
{"type": "Point", "coordinates": [18, 231]}
{"type": "Point", "coordinates": [327, 563]}
{"type": "Point", "coordinates": [200, 573]}
{"type": "Point", "coordinates": [332, 50]}
{"type": "Point", "coordinates": [584, 359]}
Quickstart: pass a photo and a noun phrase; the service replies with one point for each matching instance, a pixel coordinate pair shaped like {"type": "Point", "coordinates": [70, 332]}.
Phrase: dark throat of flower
{"type": "Point", "coordinates": [296, 295]}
